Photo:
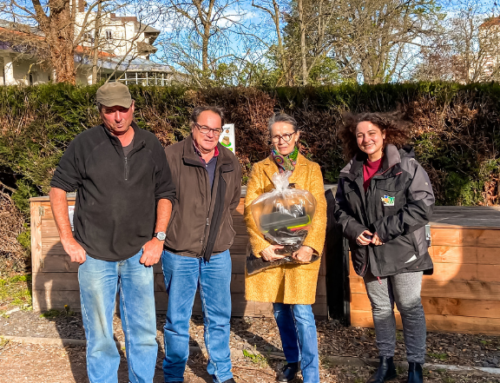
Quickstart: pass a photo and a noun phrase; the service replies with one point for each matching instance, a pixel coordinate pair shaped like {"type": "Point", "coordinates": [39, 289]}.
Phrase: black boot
{"type": "Point", "coordinates": [386, 371]}
{"type": "Point", "coordinates": [415, 374]}
{"type": "Point", "coordinates": [229, 381]}
{"type": "Point", "coordinates": [287, 374]}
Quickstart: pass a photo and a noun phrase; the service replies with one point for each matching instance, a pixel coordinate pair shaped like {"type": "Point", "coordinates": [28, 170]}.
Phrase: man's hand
{"type": "Point", "coordinates": [75, 251]}
{"type": "Point", "coordinates": [151, 252]}
{"type": "Point", "coordinates": [304, 254]}
{"type": "Point", "coordinates": [269, 255]}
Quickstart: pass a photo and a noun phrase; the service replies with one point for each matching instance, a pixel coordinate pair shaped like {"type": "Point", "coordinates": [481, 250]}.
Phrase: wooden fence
{"type": "Point", "coordinates": [463, 294]}
{"type": "Point", "coordinates": [55, 280]}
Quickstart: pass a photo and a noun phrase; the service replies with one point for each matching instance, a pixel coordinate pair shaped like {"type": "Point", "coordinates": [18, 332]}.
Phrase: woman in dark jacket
{"type": "Point", "coordinates": [384, 200]}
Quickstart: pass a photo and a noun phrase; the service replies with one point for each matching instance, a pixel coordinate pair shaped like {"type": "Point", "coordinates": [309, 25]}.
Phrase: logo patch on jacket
{"type": "Point", "coordinates": [388, 200]}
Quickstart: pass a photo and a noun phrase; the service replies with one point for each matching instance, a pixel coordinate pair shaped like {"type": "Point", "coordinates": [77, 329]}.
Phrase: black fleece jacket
{"type": "Point", "coordinates": [115, 210]}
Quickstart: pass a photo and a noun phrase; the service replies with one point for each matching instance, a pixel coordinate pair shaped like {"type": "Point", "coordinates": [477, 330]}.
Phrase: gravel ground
{"type": "Point", "coordinates": [54, 364]}
{"type": "Point", "coordinates": [261, 334]}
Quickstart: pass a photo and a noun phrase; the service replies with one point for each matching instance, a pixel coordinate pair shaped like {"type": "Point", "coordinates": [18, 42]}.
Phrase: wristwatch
{"type": "Point", "coordinates": [160, 235]}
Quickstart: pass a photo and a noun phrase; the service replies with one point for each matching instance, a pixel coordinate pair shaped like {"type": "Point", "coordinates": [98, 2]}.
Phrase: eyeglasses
{"type": "Point", "coordinates": [285, 137]}
{"type": "Point", "coordinates": [205, 130]}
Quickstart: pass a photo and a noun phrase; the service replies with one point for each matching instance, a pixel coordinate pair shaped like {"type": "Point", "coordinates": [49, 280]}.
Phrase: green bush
{"type": "Point", "coordinates": [455, 128]}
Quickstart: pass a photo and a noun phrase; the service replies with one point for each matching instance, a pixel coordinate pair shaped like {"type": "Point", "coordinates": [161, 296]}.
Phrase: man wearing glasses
{"type": "Point", "coordinates": [200, 233]}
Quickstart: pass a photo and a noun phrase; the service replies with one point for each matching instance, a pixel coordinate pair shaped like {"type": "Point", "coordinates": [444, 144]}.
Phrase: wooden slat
{"type": "Point", "coordinates": [69, 282]}
{"type": "Point", "coordinates": [462, 272]}
{"type": "Point", "coordinates": [447, 289]}
{"type": "Point", "coordinates": [442, 306]}
{"type": "Point", "coordinates": [36, 236]}
{"type": "Point", "coordinates": [465, 237]}
{"type": "Point", "coordinates": [444, 323]}
{"type": "Point", "coordinates": [478, 255]}
{"type": "Point", "coordinates": [49, 298]}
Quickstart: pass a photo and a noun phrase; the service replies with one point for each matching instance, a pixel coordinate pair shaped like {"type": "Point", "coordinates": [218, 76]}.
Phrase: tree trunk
{"type": "Point", "coordinates": [303, 49]}
{"type": "Point", "coordinates": [95, 59]}
{"type": "Point", "coordinates": [280, 41]}
{"type": "Point", "coordinates": [59, 34]}
{"type": "Point", "coordinates": [204, 52]}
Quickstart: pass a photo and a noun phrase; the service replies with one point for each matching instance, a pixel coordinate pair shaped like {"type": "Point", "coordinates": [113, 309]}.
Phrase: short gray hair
{"type": "Point", "coordinates": [200, 109]}
{"type": "Point", "coordinates": [282, 117]}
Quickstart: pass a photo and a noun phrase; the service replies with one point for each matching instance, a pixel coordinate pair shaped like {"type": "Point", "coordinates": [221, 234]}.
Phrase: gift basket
{"type": "Point", "coordinates": [283, 216]}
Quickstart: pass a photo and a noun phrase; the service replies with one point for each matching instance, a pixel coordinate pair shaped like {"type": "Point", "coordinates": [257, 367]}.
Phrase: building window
{"type": "Point", "coordinates": [109, 34]}
{"type": "Point", "coordinates": [88, 37]}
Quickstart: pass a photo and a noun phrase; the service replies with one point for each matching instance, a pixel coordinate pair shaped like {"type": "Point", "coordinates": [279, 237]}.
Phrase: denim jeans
{"type": "Point", "coordinates": [99, 283]}
{"type": "Point", "coordinates": [299, 339]}
{"type": "Point", "coordinates": [183, 275]}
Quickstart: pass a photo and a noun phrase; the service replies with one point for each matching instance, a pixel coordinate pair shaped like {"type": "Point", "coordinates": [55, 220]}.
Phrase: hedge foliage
{"type": "Point", "coordinates": [456, 130]}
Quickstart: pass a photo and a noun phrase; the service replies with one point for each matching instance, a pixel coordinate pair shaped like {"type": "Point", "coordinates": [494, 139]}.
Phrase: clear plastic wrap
{"type": "Point", "coordinates": [284, 214]}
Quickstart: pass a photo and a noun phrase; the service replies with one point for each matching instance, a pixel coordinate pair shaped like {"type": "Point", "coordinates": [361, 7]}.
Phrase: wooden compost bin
{"type": "Point", "coordinates": [55, 280]}
{"type": "Point", "coordinates": [463, 294]}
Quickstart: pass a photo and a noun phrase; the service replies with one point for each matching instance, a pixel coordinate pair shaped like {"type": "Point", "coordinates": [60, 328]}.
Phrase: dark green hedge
{"type": "Point", "coordinates": [456, 129]}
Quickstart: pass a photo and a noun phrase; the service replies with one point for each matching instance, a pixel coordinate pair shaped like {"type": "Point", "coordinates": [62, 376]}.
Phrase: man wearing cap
{"type": "Point", "coordinates": [123, 206]}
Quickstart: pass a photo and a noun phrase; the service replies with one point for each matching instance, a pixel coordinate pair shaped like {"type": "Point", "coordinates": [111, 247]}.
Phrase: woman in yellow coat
{"type": "Point", "coordinates": [290, 287]}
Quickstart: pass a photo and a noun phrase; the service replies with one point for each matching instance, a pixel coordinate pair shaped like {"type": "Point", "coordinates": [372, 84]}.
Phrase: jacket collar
{"type": "Point", "coordinates": [190, 157]}
{"type": "Point", "coordinates": [354, 168]}
{"type": "Point", "coordinates": [115, 141]}
{"type": "Point", "coordinates": [270, 167]}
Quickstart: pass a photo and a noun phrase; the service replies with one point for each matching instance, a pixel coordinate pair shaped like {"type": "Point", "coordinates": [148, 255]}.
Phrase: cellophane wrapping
{"type": "Point", "coordinates": [284, 214]}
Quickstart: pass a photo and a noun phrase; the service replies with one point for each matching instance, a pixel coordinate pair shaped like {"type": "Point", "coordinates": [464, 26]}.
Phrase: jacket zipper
{"type": "Point", "coordinates": [126, 168]}
{"type": "Point", "coordinates": [139, 147]}
{"type": "Point", "coordinates": [208, 220]}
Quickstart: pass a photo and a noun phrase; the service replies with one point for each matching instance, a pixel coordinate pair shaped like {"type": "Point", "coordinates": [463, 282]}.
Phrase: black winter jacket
{"type": "Point", "coordinates": [397, 206]}
{"type": "Point", "coordinates": [115, 210]}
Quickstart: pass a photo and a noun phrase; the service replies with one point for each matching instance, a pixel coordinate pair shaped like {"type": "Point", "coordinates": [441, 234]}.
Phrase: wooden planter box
{"type": "Point", "coordinates": [463, 294]}
{"type": "Point", "coordinates": [55, 279]}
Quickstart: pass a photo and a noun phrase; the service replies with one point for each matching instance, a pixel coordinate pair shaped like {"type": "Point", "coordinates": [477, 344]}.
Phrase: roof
{"type": "Point", "coordinates": [127, 64]}
{"type": "Point", "coordinates": [490, 22]}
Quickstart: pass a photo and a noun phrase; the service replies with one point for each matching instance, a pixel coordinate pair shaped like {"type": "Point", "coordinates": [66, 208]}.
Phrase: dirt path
{"type": "Point", "coordinates": [54, 364]}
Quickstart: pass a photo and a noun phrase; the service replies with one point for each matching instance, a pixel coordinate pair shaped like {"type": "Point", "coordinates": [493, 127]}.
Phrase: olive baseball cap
{"type": "Point", "coordinates": [114, 94]}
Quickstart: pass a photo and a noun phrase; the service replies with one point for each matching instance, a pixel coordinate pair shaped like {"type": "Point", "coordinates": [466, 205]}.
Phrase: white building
{"type": "Point", "coordinates": [124, 46]}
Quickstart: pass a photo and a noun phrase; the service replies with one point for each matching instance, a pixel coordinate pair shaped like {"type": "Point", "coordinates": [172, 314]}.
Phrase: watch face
{"type": "Point", "coordinates": [161, 236]}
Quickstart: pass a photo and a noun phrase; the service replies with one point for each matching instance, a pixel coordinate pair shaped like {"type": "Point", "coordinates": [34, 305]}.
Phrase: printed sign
{"type": "Point", "coordinates": [227, 137]}
{"type": "Point", "coordinates": [388, 200]}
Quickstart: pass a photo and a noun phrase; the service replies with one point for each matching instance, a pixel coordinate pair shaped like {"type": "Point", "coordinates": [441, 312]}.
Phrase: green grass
{"type": "Point", "coordinates": [15, 291]}
{"type": "Point", "coordinates": [52, 313]}
{"type": "Point", "coordinates": [440, 356]}
{"type": "Point", "coordinates": [3, 342]}
{"type": "Point", "coordinates": [399, 336]}
{"type": "Point", "coordinates": [255, 358]}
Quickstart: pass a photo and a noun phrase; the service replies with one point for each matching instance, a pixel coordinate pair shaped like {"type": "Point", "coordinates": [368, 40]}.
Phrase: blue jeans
{"type": "Point", "coordinates": [99, 283]}
{"type": "Point", "coordinates": [183, 275]}
{"type": "Point", "coordinates": [298, 337]}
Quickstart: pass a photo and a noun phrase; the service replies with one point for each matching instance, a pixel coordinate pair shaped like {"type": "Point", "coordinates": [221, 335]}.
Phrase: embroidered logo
{"type": "Point", "coordinates": [388, 200]}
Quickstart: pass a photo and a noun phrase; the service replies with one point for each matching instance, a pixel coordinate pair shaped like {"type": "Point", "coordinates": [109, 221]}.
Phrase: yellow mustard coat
{"type": "Point", "coordinates": [291, 284]}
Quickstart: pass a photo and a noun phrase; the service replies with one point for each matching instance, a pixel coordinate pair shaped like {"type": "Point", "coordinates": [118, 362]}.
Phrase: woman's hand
{"type": "Point", "coordinates": [268, 254]}
{"type": "Point", "coordinates": [304, 254]}
{"type": "Point", "coordinates": [365, 238]}
{"type": "Point", "coordinates": [376, 240]}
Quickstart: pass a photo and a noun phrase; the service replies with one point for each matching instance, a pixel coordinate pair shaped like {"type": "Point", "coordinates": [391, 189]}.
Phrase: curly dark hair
{"type": "Point", "coordinates": [392, 123]}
